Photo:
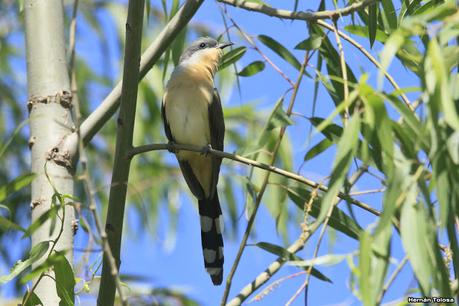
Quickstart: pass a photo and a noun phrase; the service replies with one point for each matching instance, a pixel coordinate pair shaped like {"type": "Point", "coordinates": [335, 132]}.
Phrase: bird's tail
{"type": "Point", "coordinates": [211, 237]}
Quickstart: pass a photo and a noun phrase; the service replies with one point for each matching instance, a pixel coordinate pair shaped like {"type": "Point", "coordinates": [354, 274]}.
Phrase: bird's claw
{"type": "Point", "coordinates": [206, 150]}
{"type": "Point", "coordinates": [171, 147]}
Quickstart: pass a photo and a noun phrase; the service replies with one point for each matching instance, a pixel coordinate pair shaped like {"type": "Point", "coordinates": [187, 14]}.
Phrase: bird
{"type": "Point", "coordinates": [192, 114]}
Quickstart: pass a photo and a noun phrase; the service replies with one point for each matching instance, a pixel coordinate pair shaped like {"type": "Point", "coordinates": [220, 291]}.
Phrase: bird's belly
{"type": "Point", "coordinates": [188, 118]}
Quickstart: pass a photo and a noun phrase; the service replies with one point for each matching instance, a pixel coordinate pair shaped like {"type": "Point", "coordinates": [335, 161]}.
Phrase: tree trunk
{"type": "Point", "coordinates": [50, 120]}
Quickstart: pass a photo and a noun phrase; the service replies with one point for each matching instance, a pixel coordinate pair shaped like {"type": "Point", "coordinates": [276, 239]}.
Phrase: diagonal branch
{"type": "Point", "coordinates": [250, 162]}
{"type": "Point", "coordinates": [300, 15]}
{"type": "Point", "coordinates": [97, 119]}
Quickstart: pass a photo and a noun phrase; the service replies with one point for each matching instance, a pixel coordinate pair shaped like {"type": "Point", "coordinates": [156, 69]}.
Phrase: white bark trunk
{"type": "Point", "coordinates": [50, 121]}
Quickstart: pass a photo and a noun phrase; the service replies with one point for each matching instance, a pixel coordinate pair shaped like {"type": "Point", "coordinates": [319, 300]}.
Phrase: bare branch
{"type": "Point", "coordinates": [124, 134]}
{"type": "Point", "coordinates": [300, 15]}
{"type": "Point", "coordinates": [250, 162]}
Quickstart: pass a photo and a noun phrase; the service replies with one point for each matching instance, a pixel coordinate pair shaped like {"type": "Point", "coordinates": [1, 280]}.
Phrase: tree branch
{"type": "Point", "coordinates": [164, 146]}
{"type": "Point", "coordinates": [121, 166]}
{"type": "Point", "coordinates": [273, 268]}
{"type": "Point", "coordinates": [300, 15]}
{"type": "Point", "coordinates": [96, 120]}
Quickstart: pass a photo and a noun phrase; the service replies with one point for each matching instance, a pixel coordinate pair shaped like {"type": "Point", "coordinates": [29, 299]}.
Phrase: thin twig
{"type": "Point", "coordinates": [274, 285]}
{"type": "Point", "coordinates": [163, 146]}
{"type": "Point", "coordinates": [363, 192]}
{"type": "Point", "coordinates": [299, 15]}
{"type": "Point", "coordinates": [255, 47]}
{"type": "Point", "coordinates": [391, 279]}
{"type": "Point", "coordinates": [85, 177]}
{"type": "Point", "coordinates": [308, 272]}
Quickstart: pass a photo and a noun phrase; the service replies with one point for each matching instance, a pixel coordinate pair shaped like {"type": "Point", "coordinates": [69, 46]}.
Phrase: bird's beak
{"type": "Point", "coordinates": [224, 44]}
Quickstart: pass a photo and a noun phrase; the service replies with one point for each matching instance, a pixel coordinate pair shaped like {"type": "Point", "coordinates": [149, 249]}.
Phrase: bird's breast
{"type": "Point", "coordinates": [186, 106]}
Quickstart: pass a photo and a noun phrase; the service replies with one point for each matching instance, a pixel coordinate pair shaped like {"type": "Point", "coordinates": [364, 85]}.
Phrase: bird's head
{"type": "Point", "coordinates": [204, 51]}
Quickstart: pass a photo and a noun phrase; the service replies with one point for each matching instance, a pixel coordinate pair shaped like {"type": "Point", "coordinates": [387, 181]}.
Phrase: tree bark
{"type": "Point", "coordinates": [50, 118]}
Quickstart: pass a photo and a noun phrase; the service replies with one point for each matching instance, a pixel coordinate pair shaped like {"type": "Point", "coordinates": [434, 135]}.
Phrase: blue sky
{"type": "Point", "coordinates": [182, 266]}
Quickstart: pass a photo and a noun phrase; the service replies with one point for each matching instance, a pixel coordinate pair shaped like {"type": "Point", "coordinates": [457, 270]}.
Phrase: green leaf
{"type": "Point", "coordinates": [365, 267]}
{"type": "Point", "coordinates": [280, 50]}
{"type": "Point", "coordinates": [49, 214]}
{"type": "Point", "coordinates": [389, 14]}
{"type": "Point", "coordinates": [313, 42]}
{"type": "Point", "coordinates": [6, 143]}
{"type": "Point", "coordinates": [232, 57]}
{"type": "Point", "coordinates": [326, 260]}
{"type": "Point", "coordinates": [323, 145]}
{"type": "Point", "coordinates": [33, 300]}
{"type": "Point", "coordinates": [6, 225]}
{"type": "Point", "coordinates": [437, 85]}
{"type": "Point", "coordinates": [277, 250]}
{"type": "Point", "coordinates": [391, 47]}
{"type": "Point", "coordinates": [347, 147]}
{"type": "Point", "coordinates": [15, 185]}
{"type": "Point", "coordinates": [278, 118]}
{"type": "Point", "coordinates": [65, 281]}
{"type": "Point", "coordinates": [37, 252]}
{"type": "Point", "coordinates": [288, 256]}
{"type": "Point", "coordinates": [252, 69]}
{"type": "Point", "coordinates": [362, 31]}
{"type": "Point", "coordinates": [415, 238]}
{"type": "Point", "coordinates": [373, 22]}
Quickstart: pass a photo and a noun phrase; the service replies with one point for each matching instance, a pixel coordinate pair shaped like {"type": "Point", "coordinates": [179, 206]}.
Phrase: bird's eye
{"type": "Point", "coordinates": [202, 45]}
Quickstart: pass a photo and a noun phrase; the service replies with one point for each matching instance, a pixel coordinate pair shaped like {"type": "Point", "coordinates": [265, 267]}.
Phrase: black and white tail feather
{"type": "Point", "coordinates": [211, 237]}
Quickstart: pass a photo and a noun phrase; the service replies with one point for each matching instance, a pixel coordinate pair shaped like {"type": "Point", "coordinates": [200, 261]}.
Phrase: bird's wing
{"type": "Point", "coordinates": [217, 135]}
{"type": "Point", "coordinates": [167, 128]}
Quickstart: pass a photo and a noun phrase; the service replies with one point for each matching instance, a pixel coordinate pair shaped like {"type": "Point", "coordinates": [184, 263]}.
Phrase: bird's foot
{"type": "Point", "coordinates": [171, 147]}
{"type": "Point", "coordinates": [206, 150]}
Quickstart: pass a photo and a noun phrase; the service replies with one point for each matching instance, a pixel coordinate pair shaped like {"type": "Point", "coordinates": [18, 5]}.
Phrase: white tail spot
{"type": "Point", "coordinates": [214, 271]}
{"type": "Point", "coordinates": [206, 223]}
{"type": "Point", "coordinates": [209, 255]}
{"type": "Point", "coordinates": [219, 224]}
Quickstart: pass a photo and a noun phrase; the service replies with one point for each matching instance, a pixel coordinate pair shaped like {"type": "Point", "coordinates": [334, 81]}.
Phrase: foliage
{"type": "Point", "coordinates": [401, 141]}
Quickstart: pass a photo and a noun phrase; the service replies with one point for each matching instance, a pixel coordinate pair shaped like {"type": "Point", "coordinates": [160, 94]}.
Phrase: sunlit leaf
{"type": "Point", "coordinates": [286, 255]}
{"type": "Point", "coordinates": [65, 281]}
{"type": "Point", "coordinates": [6, 225]}
{"type": "Point", "coordinates": [372, 22]}
{"type": "Point", "coordinates": [232, 57]}
{"type": "Point", "coordinates": [35, 254]}
{"type": "Point", "coordinates": [311, 43]}
{"type": "Point", "coordinates": [252, 69]}
{"type": "Point", "coordinates": [280, 50]}
{"type": "Point", "coordinates": [323, 145]}
{"type": "Point", "coordinates": [15, 185]}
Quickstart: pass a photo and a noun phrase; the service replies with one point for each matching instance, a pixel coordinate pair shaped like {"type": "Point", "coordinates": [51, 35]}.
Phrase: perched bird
{"type": "Point", "coordinates": [192, 114]}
